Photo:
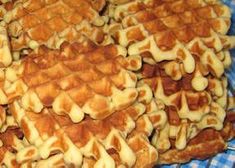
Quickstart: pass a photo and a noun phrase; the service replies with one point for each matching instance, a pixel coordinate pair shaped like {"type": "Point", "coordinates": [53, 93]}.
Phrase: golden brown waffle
{"type": "Point", "coordinates": [91, 83]}
{"type": "Point", "coordinates": [103, 140]}
{"type": "Point", "coordinates": [178, 33]}
{"type": "Point", "coordinates": [84, 105]}
{"type": "Point", "coordinates": [7, 5]}
{"type": "Point", "coordinates": [109, 136]}
{"type": "Point", "coordinates": [32, 23]}
{"type": "Point", "coordinates": [120, 139]}
{"type": "Point", "coordinates": [6, 119]}
{"type": "Point", "coordinates": [5, 53]}
{"type": "Point", "coordinates": [2, 116]}
{"type": "Point", "coordinates": [206, 144]}
{"type": "Point", "coordinates": [188, 111]}
{"type": "Point", "coordinates": [10, 144]}
{"type": "Point", "coordinates": [118, 1]}
{"type": "Point", "coordinates": [164, 7]}
{"type": "Point", "coordinates": [145, 154]}
{"type": "Point", "coordinates": [217, 87]}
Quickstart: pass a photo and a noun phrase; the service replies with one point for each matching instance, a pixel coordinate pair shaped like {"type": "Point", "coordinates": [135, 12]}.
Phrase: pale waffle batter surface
{"type": "Point", "coordinates": [113, 83]}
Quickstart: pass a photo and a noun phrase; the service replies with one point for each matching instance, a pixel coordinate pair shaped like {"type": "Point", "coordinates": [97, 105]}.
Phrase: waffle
{"type": "Point", "coordinates": [10, 143]}
{"type": "Point", "coordinates": [145, 156]}
{"type": "Point", "coordinates": [117, 138]}
{"type": "Point", "coordinates": [2, 116]}
{"type": "Point", "coordinates": [127, 122]}
{"type": "Point", "coordinates": [5, 53]}
{"type": "Point", "coordinates": [177, 33]}
{"type": "Point", "coordinates": [206, 144]}
{"type": "Point", "coordinates": [32, 23]}
{"type": "Point", "coordinates": [188, 111]}
{"type": "Point", "coordinates": [121, 139]}
{"type": "Point", "coordinates": [178, 6]}
{"type": "Point", "coordinates": [156, 95]}
{"type": "Point", "coordinates": [101, 141]}
{"type": "Point", "coordinates": [216, 87]}
{"type": "Point", "coordinates": [93, 83]}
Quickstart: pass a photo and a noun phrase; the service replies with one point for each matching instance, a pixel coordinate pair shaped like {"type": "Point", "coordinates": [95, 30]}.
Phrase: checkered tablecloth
{"type": "Point", "coordinates": [226, 159]}
{"type": "Point", "coordinates": [231, 72]}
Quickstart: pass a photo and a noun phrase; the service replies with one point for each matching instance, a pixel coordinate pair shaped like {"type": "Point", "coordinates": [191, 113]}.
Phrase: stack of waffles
{"type": "Point", "coordinates": [113, 83]}
{"type": "Point", "coordinates": [184, 48]}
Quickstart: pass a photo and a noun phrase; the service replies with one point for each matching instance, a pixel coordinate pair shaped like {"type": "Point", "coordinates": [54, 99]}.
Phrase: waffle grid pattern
{"type": "Point", "coordinates": [227, 158]}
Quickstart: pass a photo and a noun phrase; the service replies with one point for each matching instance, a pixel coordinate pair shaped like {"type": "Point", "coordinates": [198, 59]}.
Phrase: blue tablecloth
{"type": "Point", "coordinates": [226, 159]}
{"type": "Point", "coordinates": [231, 71]}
